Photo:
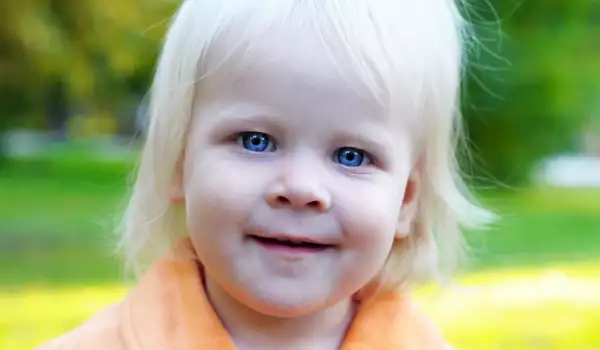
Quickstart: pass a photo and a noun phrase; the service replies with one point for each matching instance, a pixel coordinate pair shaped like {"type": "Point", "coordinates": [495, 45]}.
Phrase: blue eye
{"type": "Point", "coordinates": [351, 157]}
{"type": "Point", "coordinates": [255, 141]}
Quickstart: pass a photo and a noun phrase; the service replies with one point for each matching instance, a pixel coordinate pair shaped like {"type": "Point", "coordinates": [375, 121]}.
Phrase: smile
{"type": "Point", "coordinates": [290, 244]}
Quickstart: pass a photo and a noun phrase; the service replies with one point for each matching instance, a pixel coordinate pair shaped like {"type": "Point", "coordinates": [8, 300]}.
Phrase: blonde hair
{"type": "Point", "coordinates": [399, 50]}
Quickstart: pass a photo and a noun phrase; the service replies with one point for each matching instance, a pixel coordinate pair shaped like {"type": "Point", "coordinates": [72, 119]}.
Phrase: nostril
{"type": "Point", "coordinates": [300, 203]}
{"type": "Point", "coordinates": [283, 201]}
{"type": "Point", "coordinates": [314, 204]}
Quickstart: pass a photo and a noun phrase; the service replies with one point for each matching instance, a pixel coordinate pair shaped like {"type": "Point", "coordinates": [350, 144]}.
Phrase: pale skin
{"type": "Point", "coordinates": [283, 146]}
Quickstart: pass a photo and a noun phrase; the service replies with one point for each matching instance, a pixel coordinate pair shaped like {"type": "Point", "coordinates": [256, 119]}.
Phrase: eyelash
{"type": "Point", "coordinates": [249, 139]}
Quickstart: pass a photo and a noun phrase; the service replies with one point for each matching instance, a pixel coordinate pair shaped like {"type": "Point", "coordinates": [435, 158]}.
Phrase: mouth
{"type": "Point", "coordinates": [290, 244]}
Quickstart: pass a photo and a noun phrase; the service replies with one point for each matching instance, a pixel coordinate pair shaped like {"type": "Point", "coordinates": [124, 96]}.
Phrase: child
{"type": "Point", "coordinates": [299, 173]}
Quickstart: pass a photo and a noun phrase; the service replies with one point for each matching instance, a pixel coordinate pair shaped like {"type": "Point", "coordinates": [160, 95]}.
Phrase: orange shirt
{"type": "Point", "coordinates": [169, 310]}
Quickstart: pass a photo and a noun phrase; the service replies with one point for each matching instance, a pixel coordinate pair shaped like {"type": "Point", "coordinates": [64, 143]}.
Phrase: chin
{"type": "Point", "coordinates": [287, 305]}
{"type": "Point", "coordinates": [280, 310]}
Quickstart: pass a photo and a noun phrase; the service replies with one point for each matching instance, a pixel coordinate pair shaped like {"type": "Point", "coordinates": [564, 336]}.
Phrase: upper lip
{"type": "Point", "coordinates": [293, 238]}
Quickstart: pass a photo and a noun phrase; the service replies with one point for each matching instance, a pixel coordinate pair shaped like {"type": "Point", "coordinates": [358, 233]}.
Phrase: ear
{"type": "Point", "coordinates": [408, 211]}
{"type": "Point", "coordinates": [177, 193]}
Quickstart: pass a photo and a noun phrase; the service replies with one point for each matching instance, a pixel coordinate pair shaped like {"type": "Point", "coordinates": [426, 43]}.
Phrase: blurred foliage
{"type": "Point", "coordinates": [78, 53]}
{"type": "Point", "coordinates": [532, 85]}
{"type": "Point", "coordinates": [534, 81]}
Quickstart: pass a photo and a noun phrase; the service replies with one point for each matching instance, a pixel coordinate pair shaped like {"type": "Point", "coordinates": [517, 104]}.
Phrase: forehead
{"type": "Point", "coordinates": [289, 65]}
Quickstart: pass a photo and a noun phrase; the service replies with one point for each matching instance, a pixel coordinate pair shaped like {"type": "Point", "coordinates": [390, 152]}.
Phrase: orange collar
{"type": "Point", "coordinates": [170, 310]}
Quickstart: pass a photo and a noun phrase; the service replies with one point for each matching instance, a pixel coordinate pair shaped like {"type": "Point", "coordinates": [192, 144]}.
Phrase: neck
{"type": "Point", "coordinates": [250, 329]}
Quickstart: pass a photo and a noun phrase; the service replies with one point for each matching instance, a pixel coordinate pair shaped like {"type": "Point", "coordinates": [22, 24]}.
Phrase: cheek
{"type": "Point", "coordinates": [369, 214]}
{"type": "Point", "coordinates": [217, 194]}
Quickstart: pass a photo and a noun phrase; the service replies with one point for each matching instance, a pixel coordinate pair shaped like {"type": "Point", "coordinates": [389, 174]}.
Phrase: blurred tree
{"type": "Point", "coordinates": [533, 83]}
{"type": "Point", "coordinates": [56, 53]}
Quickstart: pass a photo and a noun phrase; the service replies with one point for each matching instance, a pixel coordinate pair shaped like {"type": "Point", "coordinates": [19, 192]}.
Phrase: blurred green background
{"type": "Point", "coordinates": [74, 76]}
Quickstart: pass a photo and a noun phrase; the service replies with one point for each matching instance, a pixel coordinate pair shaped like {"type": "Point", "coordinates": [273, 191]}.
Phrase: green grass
{"type": "Point", "coordinates": [533, 281]}
{"type": "Point", "coordinates": [59, 211]}
{"type": "Point", "coordinates": [54, 229]}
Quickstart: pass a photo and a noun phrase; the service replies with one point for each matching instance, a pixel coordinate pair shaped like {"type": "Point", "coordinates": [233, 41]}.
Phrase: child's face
{"type": "Point", "coordinates": [282, 148]}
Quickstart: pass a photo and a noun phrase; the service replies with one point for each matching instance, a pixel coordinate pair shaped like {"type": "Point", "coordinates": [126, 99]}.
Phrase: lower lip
{"type": "Point", "coordinates": [286, 249]}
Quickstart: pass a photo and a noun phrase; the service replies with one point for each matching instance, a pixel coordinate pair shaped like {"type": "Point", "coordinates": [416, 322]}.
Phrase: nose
{"type": "Point", "coordinates": [299, 190]}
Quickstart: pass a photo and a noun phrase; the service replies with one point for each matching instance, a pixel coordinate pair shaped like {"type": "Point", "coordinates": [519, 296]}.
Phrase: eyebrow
{"type": "Point", "coordinates": [228, 117]}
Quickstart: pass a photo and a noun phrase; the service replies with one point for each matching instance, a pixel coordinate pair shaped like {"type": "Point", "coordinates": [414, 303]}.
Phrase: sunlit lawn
{"type": "Point", "coordinates": [534, 282]}
{"type": "Point", "coordinates": [556, 307]}
{"type": "Point", "coordinates": [553, 308]}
